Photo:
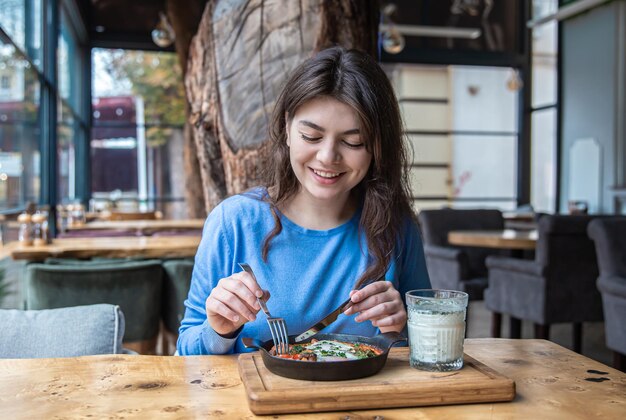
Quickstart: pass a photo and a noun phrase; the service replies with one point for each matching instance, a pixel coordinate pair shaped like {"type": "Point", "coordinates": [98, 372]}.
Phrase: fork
{"type": "Point", "coordinates": [277, 325]}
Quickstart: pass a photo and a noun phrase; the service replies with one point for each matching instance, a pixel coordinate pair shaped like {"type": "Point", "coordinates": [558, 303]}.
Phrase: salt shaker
{"type": "Point", "coordinates": [45, 228]}
{"type": "Point", "coordinates": [25, 235]}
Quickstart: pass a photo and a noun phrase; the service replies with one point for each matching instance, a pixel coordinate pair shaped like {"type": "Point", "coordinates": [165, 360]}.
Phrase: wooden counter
{"type": "Point", "coordinates": [121, 247]}
{"type": "Point", "coordinates": [520, 217]}
{"type": "Point", "coordinates": [551, 383]}
{"type": "Point", "coordinates": [141, 226]}
{"type": "Point", "coordinates": [506, 239]}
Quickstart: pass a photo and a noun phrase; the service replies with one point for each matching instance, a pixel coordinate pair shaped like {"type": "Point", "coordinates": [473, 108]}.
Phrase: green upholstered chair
{"type": "Point", "coordinates": [86, 262]}
{"type": "Point", "coordinates": [133, 285]}
{"type": "Point", "coordinates": [63, 332]}
{"type": "Point", "coordinates": [176, 284]}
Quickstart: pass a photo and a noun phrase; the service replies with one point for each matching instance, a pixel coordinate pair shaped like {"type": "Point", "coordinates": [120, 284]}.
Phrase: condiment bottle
{"type": "Point", "coordinates": [78, 215]}
{"type": "Point", "coordinates": [25, 235]}
{"type": "Point", "coordinates": [69, 209]}
{"type": "Point", "coordinates": [62, 218]}
{"type": "Point", "coordinates": [45, 229]}
{"type": "Point", "coordinates": [39, 238]}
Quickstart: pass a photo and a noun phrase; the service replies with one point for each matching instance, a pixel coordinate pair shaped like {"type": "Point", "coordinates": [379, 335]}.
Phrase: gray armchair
{"type": "Point", "coordinates": [455, 267]}
{"type": "Point", "coordinates": [557, 286]}
{"type": "Point", "coordinates": [609, 236]}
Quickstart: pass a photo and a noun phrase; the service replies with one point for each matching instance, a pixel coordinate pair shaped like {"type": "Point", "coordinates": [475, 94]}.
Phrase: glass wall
{"type": "Point", "coordinates": [71, 116]}
{"type": "Point", "coordinates": [41, 103]}
{"type": "Point", "coordinates": [20, 93]}
{"type": "Point", "coordinates": [544, 109]}
{"type": "Point", "coordinates": [137, 133]}
{"type": "Point", "coordinates": [21, 21]}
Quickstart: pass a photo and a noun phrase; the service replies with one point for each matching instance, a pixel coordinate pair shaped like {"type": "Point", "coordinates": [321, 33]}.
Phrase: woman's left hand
{"type": "Point", "coordinates": [381, 304]}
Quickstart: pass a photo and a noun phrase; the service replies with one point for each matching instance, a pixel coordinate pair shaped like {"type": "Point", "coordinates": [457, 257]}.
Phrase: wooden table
{"type": "Point", "coordinates": [121, 247]}
{"type": "Point", "coordinates": [520, 217]}
{"type": "Point", "coordinates": [509, 239]}
{"type": "Point", "coordinates": [144, 227]}
{"type": "Point", "coordinates": [552, 383]}
{"type": "Point", "coordinates": [516, 240]}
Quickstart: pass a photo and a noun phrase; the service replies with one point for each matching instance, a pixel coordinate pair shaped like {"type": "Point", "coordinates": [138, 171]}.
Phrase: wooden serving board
{"type": "Point", "coordinates": [396, 385]}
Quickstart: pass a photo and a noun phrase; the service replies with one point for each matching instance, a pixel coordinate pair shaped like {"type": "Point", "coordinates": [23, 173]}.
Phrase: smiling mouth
{"type": "Point", "coordinates": [327, 175]}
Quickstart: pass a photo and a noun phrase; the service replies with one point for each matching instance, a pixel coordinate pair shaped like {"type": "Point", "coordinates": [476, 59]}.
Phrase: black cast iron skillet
{"type": "Point", "coordinates": [328, 371]}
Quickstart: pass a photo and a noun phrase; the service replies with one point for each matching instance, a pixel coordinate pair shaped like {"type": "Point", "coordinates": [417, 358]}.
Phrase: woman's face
{"type": "Point", "coordinates": [327, 149]}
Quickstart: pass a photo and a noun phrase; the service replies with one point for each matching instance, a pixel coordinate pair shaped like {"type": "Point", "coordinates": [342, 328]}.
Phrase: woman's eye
{"type": "Point", "coordinates": [353, 145]}
{"type": "Point", "coordinates": [307, 138]}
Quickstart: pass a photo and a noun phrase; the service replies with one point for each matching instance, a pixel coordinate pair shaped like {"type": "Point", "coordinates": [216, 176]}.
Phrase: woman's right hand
{"type": "Point", "coordinates": [233, 302]}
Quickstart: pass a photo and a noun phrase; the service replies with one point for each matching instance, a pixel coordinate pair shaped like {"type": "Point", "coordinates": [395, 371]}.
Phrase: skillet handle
{"type": "Point", "coordinates": [252, 343]}
{"type": "Point", "coordinates": [390, 338]}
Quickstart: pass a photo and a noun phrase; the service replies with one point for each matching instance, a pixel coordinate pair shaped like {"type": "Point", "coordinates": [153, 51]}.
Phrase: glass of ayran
{"type": "Point", "coordinates": [436, 327]}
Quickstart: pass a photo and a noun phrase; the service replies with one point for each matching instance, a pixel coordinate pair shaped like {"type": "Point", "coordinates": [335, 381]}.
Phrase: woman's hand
{"type": "Point", "coordinates": [233, 302]}
{"type": "Point", "coordinates": [381, 304]}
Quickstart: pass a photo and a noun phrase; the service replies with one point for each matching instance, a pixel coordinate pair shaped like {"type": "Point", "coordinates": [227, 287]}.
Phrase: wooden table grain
{"type": "Point", "coordinates": [121, 247]}
{"type": "Point", "coordinates": [141, 226]}
{"type": "Point", "coordinates": [552, 383]}
{"type": "Point", "coordinates": [507, 239]}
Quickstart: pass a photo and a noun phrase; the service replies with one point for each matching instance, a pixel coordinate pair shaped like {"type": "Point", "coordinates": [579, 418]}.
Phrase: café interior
{"type": "Point", "coordinates": [514, 113]}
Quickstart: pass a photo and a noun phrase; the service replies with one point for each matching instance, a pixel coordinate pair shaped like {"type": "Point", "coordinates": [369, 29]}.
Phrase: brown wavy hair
{"type": "Point", "coordinates": [356, 79]}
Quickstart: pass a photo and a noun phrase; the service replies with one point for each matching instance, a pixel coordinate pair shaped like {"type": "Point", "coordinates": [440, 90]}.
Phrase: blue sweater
{"type": "Point", "coordinates": [308, 272]}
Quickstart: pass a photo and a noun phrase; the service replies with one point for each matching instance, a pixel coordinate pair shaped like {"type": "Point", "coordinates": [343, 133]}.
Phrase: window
{"type": "Point", "coordinates": [491, 27]}
{"type": "Point", "coordinates": [137, 133]}
{"type": "Point", "coordinates": [462, 125]}
{"type": "Point", "coordinates": [21, 21]}
{"type": "Point", "coordinates": [24, 81]}
{"type": "Point", "coordinates": [20, 49]}
{"type": "Point", "coordinates": [71, 121]}
{"type": "Point", "coordinates": [5, 82]}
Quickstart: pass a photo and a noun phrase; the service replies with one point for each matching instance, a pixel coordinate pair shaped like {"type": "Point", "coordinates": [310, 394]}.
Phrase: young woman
{"type": "Point", "coordinates": [334, 214]}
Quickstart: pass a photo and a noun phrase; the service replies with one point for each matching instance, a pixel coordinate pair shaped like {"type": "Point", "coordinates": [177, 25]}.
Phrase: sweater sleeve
{"type": "Point", "coordinates": [212, 263]}
{"type": "Point", "coordinates": [413, 272]}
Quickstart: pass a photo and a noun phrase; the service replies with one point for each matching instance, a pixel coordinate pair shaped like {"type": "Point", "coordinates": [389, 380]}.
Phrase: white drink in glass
{"type": "Point", "coordinates": [436, 327]}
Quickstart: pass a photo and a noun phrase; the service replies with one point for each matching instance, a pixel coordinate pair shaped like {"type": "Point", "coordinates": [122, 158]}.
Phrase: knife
{"type": "Point", "coordinates": [331, 317]}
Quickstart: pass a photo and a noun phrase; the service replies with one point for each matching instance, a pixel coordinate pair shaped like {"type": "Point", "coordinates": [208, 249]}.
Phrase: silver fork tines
{"type": "Point", "coordinates": [278, 328]}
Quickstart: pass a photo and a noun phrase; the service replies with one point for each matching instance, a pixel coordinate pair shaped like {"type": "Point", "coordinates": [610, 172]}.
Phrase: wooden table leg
{"type": "Point", "coordinates": [542, 331]}
{"type": "Point", "coordinates": [619, 361]}
{"type": "Point", "coordinates": [577, 337]}
{"type": "Point", "coordinates": [515, 329]}
{"type": "Point", "coordinates": [496, 324]}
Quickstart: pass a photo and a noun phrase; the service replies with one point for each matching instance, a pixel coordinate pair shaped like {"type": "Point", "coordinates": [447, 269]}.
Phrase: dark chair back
{"type": "Point", "coordinates": [436, 224]}
{"type": "Point", "coordinates": [567, 257]}
{"type": "Point", "coordinates": [609, 236]}
{"type": "Point", "coordinates": [176, 285]}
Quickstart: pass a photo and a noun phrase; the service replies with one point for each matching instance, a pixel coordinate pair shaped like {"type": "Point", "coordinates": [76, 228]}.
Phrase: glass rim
{"type": "Point", "coordinates": [452, 294]}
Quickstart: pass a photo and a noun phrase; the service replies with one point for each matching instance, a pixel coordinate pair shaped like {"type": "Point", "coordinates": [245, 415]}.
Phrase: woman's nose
{"type": "Point", "coordinates": [328, 152]}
